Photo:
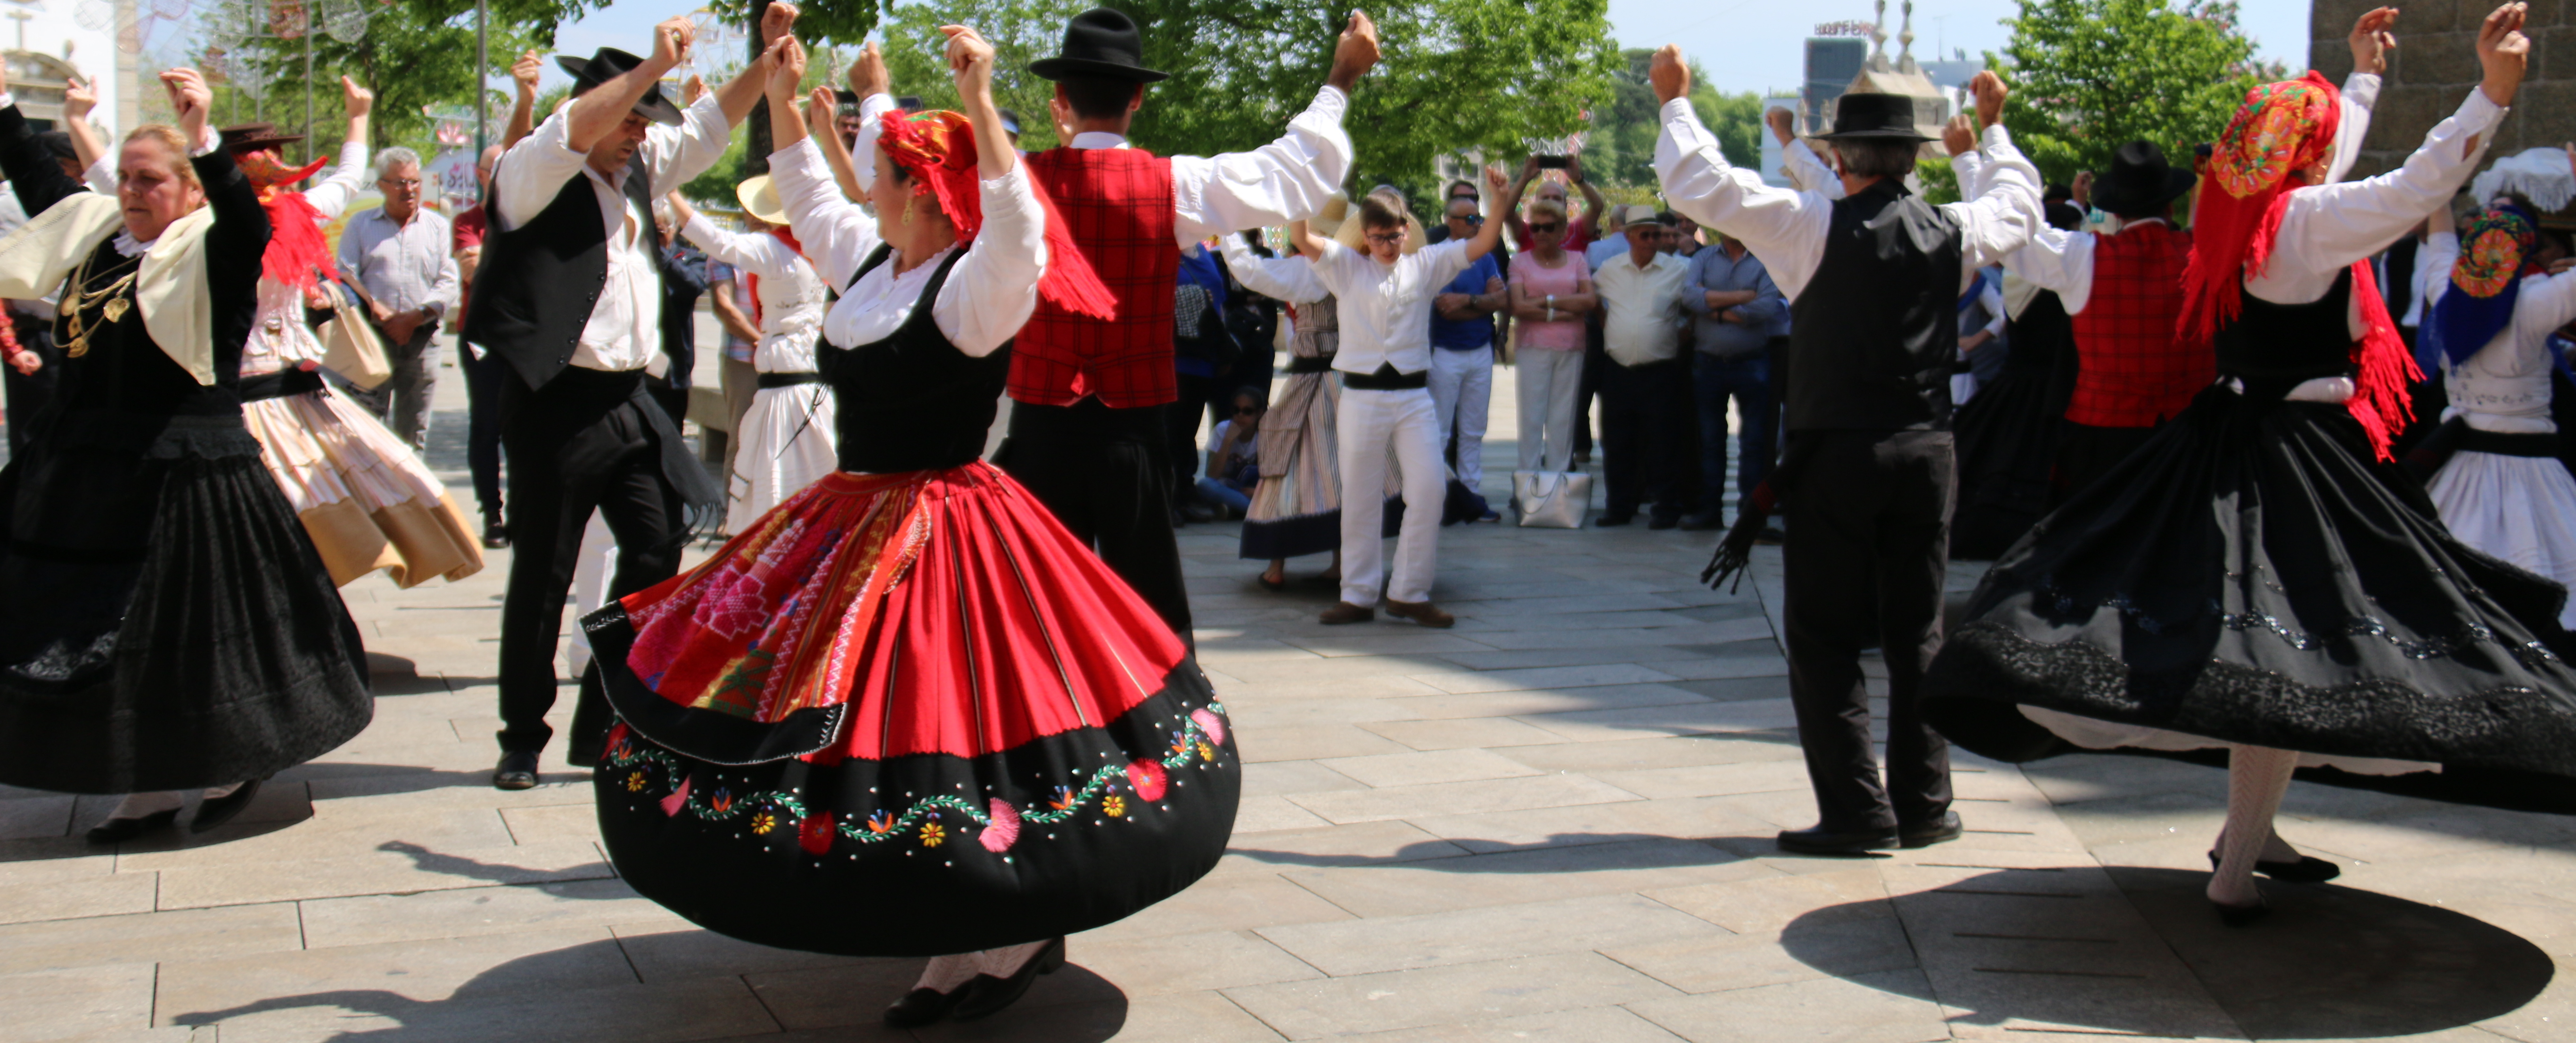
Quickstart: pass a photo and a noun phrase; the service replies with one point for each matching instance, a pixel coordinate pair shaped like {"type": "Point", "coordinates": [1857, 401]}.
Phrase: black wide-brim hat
{"type": "Point", "coordinates": [1099, 42]}
{"type": "Point", "coordinates": [1866, 115]}
{"type": "Point", "coordinates": [610, 63]}
{"type": "Point", "coordinates": [251, 137]}
{"type": "Point", "coordinates": [2140, 181]}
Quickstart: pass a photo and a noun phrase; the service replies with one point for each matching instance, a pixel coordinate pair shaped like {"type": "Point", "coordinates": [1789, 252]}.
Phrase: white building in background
{"type": "Point", "coordinates": [45, 45]}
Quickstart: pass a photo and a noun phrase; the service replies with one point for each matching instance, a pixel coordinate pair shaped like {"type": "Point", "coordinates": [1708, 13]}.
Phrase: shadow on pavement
{"type": "Point", "coordinates": [2057, 951]}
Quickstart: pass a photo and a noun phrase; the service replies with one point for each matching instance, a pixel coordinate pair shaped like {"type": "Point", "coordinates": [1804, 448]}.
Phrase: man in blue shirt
{"type": "Point", "coordinates": [1735, 312]}
{"type": "Point", "coordinates": [1462, 343]}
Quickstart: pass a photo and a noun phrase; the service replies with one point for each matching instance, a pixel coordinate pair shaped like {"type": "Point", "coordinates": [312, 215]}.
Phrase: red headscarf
{"type": "Point", "coordinates": [937, 148]}
{"type": "Point", "coordinates": [2283, 128]}
{"type": "Point", "coordinates": [295, 244]}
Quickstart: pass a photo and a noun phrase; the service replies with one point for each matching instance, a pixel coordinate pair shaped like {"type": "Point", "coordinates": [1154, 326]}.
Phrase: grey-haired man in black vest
{"type": "Point", "coordinates": [570, 296]}
{"type": "Point", "coordinates": [1869, 474]}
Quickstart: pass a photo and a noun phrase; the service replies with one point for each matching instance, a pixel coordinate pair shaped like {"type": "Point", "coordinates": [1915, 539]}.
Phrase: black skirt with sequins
{"type": "Point", "coordinates": [2252, 576]}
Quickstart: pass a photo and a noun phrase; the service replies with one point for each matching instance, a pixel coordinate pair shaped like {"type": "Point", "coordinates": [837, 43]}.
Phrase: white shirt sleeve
{"type": "Point", "coordinates": [1288, 279]}
{"type": "Point", "coordinates": [759, 253]}
{"type": "Point", "coordinates": [338, 187]}
{"type": "Point", "coordinates": [2546, 302]}
{"type": "Point", "coordinates": [1442, 262]}
{"type": "Point", "coordinates": [1335, 268]}
{"type": "Point", "coordinates": [677, 154]}
{"type": "Point", "coordinates": [994, 289]}
{"type": "Point", "coordinates": [2439, 251]}
{"type": "Point", "coordinates": [2057, 260]}
{"type": "Point", "coordinates": [1992, 299]}
{"type": "Point", "coordinates": [1968, 169]}
{"type": "Point", "coordinates": [1784, 227]}
{"type": "Point", "coordinates": [837, 234]}
{"type": "Point", "coordinates": [1807, 171]}
{"type": "Point", "coordinates": [2005, 210]}
{"type": "Point", "coordinates": [1286, 180]}
{"type": "Point", "coordinates": [532, 171]}
{"type": "Point", "coordinates": [2325, 228]}
{"type": "Point", "coordinates": [863, 153]}
{"type": "Point", "coordinates": [2360, 95]}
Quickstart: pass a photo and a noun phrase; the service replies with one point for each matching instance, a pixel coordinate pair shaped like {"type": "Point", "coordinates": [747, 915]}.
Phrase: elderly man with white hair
{"type": "Point", "coordinates": [400, 255]}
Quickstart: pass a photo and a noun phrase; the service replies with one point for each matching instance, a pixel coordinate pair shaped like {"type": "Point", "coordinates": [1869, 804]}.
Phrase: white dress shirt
{"type": "Point", "coordinates": [1642, 311]}
{"type": "Point", "coordinates": [987, 298]}
{"type": "Point", "coordinates": [1288, 279]}
{"type": "Point", "coordinates": [1787, 228]}
{"type": "Point", "coordinates": [1286, 180]}
{"type": "Point", "coordinates": [1386, 308]}
{"type": "Point", "coordinates": [625, 327]}
{"type": "Point", "coordinates": [792, 295]}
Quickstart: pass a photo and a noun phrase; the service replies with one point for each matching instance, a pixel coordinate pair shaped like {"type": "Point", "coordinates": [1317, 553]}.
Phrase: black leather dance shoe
{"type": "Point", "coordinates": [1817, 840]}
{"type": "Point", "coordinates": [518, 770]}
{"type": "Point", "coordinates": [923, 1006]}
{"type": "Point", "coordinates": [2307, 870]}
{"type": "Point", "coordinates": [2242, 915]}
{"type": "Point", "coordinates": [120, 830]}
{"type": "Point", "coordinates": [216, 811]}
{"type": "Point", "coordinates": [1938, 831]}
{"type": "Point", "coordinates": [987, 995]}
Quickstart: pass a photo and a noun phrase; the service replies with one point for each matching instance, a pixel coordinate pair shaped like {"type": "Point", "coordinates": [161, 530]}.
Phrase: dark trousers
{"type": "Point", "coordinates": [1181, 424]}
{"type": "Point", "coordinates": [1746, 381]}
{"type": "Point", "coordinates": [1595, 359]}
{"type": "Point", "coordinates": [580, 443]}
{"type": "Point", "coordinates": [1868, 547]}
{"type": "Point", "coordinates": [1107, 475]}
{"type": "Point", "coordinates": [1646, 437]}
{"type": "Point", "coordinates": [28, 392]}
{"type": "Point", "coordinates": [483, 377]}
{"type": "Point", "coordinates": [1777, 354]}
{"type": "Point", "coordinates": [402, 401]}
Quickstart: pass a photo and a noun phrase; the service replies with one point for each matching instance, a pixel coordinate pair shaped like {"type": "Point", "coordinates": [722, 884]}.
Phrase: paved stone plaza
{"type": "Point", "coordinates": [1551, 823]}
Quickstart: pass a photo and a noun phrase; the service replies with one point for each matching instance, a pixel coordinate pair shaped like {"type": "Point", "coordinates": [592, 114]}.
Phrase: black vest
{"type": "Point", "coordinates": [2274, 348]}
{"type": "Point", "coordinates": [539, 281]}
{"type": "Point", "coordinates": [913, 402]}
{"type": "Point", "coordinates": [1874, 336]}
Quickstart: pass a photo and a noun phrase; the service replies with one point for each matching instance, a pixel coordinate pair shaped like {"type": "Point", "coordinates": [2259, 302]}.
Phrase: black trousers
{"type": "Point", "coordinates": [580, 443]}
{"type": "Point", "coordinates": [1868, 547]}
{"type": "Point", "coordinates": [1648, 443]}
{"type": "Point", "coordinates": [28, 392]}
{"type": "Point", "coordinates": [483, 377]}
{"type": "Point", "coordinates": [1181, 422]}
{"type": "Point", "coordinates": [1107, 475]}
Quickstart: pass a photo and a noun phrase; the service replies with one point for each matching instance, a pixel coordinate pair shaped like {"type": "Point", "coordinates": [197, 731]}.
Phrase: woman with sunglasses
{"type": "Point", "coordinates": [1551, 292]}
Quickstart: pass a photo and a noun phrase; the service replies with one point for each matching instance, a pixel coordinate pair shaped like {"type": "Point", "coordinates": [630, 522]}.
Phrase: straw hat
{"type": "Point", "coordinates": [759, 198]}
{"type": "Point", "coordinates": [1337, 209]}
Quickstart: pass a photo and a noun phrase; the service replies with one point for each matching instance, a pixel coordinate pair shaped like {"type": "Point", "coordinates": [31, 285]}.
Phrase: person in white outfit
{"type": "Point", "coordinates": [2493, 300]}
{"type": "Point", "coordinates": [786, 440]}
{"type": "Point", "coordinates": [1385, 299]}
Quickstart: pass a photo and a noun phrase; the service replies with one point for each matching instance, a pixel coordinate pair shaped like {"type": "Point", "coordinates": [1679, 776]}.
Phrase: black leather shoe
{"type": "Point", "coordinates": [2307, 870]}
{"type": "Point", "coordinates": [212, 814]}
{"type": "Point", "coordinates": [987, 995]}
{"type": "Point", "coordinates": [1612, 520]}
{"type": "Point", "coordinates": [1817, 840]}
{"type": "Point", "coordinates": [2242, 915]}
{"type": "Point", "coordinates": [1925, 834]}
{"type": "Point", "coordinates": [518, 770]}
{"type": "Point", "coordinates": [1703, 522]}
{"type": "Point", "coordinates": [923, 1006]}
{"type": "Point", "coordinates": [120, 830]}
{"type": "Point", "coordinates": [496, 536]}
{"type": "Point", "coordinates": [1660, 522]}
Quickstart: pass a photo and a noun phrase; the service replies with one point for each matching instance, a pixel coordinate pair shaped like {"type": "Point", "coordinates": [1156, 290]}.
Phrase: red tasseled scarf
{"type": "Point", "coordinates": [938, 149]}
{"type": "Point", "coordinates": [295, 244]}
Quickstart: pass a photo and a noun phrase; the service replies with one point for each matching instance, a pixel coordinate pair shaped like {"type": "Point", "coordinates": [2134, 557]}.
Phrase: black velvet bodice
{"type": "Point", "coordinates": [2274, 347]}
{"type": "Point", "coordinates": [912, 401]}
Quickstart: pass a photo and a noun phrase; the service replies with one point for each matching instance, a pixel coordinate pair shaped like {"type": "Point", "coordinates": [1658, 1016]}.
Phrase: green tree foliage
{"type": "Point", "coordinates": [1456, 74]}
{"type": "Point", "coordinates": [1620, 151]}
{"type": "Point", "coordinates": [416, 55]}
{"type": "Point", "coordinates": [2091, 75]}
{"type": "Point", "coordinates": [824, 21]}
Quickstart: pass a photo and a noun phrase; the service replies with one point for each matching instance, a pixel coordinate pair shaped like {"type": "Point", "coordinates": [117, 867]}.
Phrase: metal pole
{"type": "Point", "coordinates": [760, 146]}
{"type": "Point", "coordinates": [482, 89]}
{"type": "Point", "coordinates": [308, 70]}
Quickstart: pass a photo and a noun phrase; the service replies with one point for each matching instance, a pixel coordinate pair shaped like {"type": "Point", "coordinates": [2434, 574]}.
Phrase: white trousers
{"type": "Point", "coordinates": [1462, 392]}
{"type": "Point", "coordinates": [1371, 422]}
{"type": "Point", "coordinates": [1549, 382]}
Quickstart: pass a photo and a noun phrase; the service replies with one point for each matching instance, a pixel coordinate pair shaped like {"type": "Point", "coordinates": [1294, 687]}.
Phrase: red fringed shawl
{"type": "Point", "coordinates": [938, 148]}
{"type": "Point", "coordinates": [2283, 128]}
{"type": "Point", "coordinates": [295, 243]}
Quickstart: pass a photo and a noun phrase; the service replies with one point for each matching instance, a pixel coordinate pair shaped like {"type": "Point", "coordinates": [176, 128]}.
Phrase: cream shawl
{"type": "Point", "coordinates": [170, 288]}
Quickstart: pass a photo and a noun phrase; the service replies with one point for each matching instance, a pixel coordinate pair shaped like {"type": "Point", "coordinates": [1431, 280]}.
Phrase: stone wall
{"type": "Point", "coordinates": [2436, 65]}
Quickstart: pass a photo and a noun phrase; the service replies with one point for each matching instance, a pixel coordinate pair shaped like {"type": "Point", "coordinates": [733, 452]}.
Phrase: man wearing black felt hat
{"type": "Point", "coordinates": [1087, 425]}
{"type": "Point", "coordinates": [1869, 473]}
{"type": "Point", "coordinates": [2122, 288]}
{"type": "Point", "coordinates": [569, 294]}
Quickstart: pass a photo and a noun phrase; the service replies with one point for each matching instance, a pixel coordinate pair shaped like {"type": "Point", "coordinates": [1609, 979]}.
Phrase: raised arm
{"type": "Point", "coordinates": [1498, 204]}
{"type": "Point", "coordinates": [2058, 260]}
{"type": "Point", "coordinates": [79, 97]}
{"type": "Point", "coordinates": [970, 60]}
{"type": "Point", "coordinates": [524, 74]}
{"type": "Point", "coordinates": [2370, 42]}
{"type": "Point", "coordinates": [1288, 179]}
{"type": "Point", "coordinates": [332, 195]}
{"type": "Point", "coordinates": [1288, 279]}
{"type": "Point", "coordinates": [38, 180]}
{"type": "Point", "coordinates": [2006, 209]}
{"type": "Point", "coordinates": [854, 163]}
{"type": "Point", "coordinates": [1785, 228]}
{"type": "Point", "coordinates": [677, 154]}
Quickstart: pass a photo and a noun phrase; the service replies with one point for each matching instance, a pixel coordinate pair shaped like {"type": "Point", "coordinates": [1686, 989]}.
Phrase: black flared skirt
{"type": "Point", "coordinates": [168, 624]}
{"type": "Point", "coordinates": [2008, 435]}
{"type": "Point", "coordinates": [2251, 576]}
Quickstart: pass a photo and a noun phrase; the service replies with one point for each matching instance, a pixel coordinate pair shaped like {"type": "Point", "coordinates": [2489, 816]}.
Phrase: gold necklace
{"type": "Point", "coordinates": [75, 304]}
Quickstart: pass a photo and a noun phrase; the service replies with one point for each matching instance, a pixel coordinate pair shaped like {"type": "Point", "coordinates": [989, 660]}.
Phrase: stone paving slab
{"type": "Point", "coordinates": [1553, 822]}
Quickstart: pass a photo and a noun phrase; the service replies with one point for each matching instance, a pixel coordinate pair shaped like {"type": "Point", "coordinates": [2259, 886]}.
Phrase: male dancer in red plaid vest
{"type": "Point", "coordinates": [1088, 397]}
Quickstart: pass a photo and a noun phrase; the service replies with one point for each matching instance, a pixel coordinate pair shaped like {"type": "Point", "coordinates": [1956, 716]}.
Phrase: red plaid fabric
{"type": "Point", "coordinates": [1118, 204]}
{"type": "Point", "coordinates": [2130, 369]}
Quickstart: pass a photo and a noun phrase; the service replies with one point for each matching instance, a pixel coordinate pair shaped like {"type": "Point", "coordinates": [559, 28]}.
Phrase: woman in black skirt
{"type": "Point", "coordinates": [165, 624]}
{"type": "Point", "coordinates": [2008, 434]}
{"type": "Point", "coordinates": [2261, 577]}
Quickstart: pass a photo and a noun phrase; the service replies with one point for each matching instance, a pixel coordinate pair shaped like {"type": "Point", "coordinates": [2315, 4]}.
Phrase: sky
{"type": "Point", "coordinates": [1746, 45]}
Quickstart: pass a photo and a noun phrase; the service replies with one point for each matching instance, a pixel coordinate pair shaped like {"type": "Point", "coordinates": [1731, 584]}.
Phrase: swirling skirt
{"type": "Point", "coordinates": [368, 501]}
{"type": "Point", "coordinates": [907, 715]}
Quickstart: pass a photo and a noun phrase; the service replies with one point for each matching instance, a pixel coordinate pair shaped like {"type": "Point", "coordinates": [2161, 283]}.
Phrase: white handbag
{"type": "Point", "coordinates": [351, 347]}
{"type": "Point", "coordinates": [1551, 499]}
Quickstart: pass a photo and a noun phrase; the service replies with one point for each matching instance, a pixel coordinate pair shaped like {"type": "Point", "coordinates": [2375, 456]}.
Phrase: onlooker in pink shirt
{"type": "Point", "coordinates": [1551, 292]}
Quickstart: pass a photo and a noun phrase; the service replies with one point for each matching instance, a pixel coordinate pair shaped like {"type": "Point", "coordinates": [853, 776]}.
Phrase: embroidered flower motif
{"type": "Point", "coordinates": [933, 834]}
{"type": "Point", "coordinates": [1063, 798]}
{"type": "Point", "coordinates": [635, 781]}
{"type": "Point", "coordinates": [1005, 829]}
{"type": "Point", "coordinates": [1148, 778]}
{"type": "Point", "coordinates": [1114, 805]}
{"type": "Point", "coordinates": [1210, 723]}
{"type": "Point", "coordinates": [678, 799]}
{"type": "Point", "coordinates": [881, 822]}
{"type": "Point", "coordinates": [1206, 752]}
{"type": "Point", "coordinates": [815, 833]}
{"type": "Point", "coordinates": [720, 803]}
{"type": "Point", "coordinates": [620, 741]}
{"type": "Point", "coordinates": [2491, 255]}
{"type": "Point", "coordinates": [762, 823]}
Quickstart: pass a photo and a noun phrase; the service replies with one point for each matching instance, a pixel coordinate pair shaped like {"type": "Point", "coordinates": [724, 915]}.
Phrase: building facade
{"type": "Point", "coordinates": [2436, 66]}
